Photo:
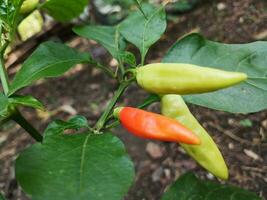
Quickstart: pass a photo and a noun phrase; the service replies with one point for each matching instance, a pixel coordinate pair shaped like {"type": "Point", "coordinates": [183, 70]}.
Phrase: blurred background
{"type": "Point", "coordinates": [85, 90]}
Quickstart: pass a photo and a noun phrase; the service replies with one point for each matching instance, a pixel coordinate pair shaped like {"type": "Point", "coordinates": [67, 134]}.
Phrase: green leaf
{"type": "Point", "coordinates": [78, 166]}
{"type": "Point", "coordinates": [128, 58]}
{"type": "Point", "coordinates": [29, 101]}
{"type": "Point", "coordinates": [64, 10]}
{"type": "Point", "coordinates": [57, 127]}
{"type": "Point", "coordinates": [140, 7]}
{"type": "Point", "coordinates": [182, 5]}
{"type": "Point", "coordinates": [107, 36]}
{"type": "Point", "coordinates": [188, 186]}
{"type": "Point", "coordinates": [50, 59]}
{"type": "Point", "coordinates": [7, 104]}
{"type": "Point", "coordinates": [247, 97]}
{"type": "Point", "coordinates": [143, 32]}
{"type": "Point", "coordinates": [2, 197]}
{"type": "Point", "coordinates": [246, 123]}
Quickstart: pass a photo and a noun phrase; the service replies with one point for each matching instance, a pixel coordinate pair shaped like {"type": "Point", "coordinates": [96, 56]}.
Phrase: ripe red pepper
{"type": "Point", "coordinates": [154, 126]}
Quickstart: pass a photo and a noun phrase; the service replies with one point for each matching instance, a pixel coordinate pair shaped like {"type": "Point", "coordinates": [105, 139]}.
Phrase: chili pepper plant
{"type": "Point", "coordinates": [93, 163]}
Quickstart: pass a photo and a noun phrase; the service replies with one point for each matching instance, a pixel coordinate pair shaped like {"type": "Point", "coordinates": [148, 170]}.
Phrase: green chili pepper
{"type": "Point", "coordinates": [207, 153]}
{"type": "Point", "coordinates": [172, 78]}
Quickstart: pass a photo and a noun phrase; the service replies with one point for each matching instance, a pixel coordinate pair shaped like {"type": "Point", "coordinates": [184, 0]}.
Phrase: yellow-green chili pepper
{"type": "Point", "coordinates": [207, 153]}
{"type": "Point", "coordinates": [28, 6]}
{"type": "Point", "coordinates": [178, 78]}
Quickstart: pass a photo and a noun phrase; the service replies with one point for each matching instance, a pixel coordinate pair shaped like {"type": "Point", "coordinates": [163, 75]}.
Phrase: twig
{"type": "Point", "coordinates": [17, 117]}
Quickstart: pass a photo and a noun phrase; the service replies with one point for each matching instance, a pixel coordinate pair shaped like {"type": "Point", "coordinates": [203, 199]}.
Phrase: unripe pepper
{"type": "Point", "coordinates": [28, 6]}
{"type": "Point", "coordinates": [154, 126]}
{"type": "Point", "coordinates": [207, 153]}
{"type": "Point", "coordinates": [178, 78]}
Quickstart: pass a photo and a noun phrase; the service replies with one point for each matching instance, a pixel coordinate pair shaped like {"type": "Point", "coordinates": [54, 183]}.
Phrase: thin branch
{"type": "Point", "coordinates": [105, 69]}
{"type": "Point", "coordinates": [17, 117]}
{"type": "Point", "coordinates": [102, 120]}
{"type": "Point", "coordinates": [3, 74]}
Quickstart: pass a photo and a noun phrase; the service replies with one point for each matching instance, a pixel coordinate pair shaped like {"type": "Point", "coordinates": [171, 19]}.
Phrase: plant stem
{"type": "Point", "coordinates": [142, 60]}
{"type": "Point", "coordinates": [106, 70]}
{"type": "Point", "coordinates": [3, 74]}
{"type": "Point", "coordinates": [113, 124]}
{"type": "Point", "coordinates": [17, 117]}
{"type": "Point", "coordinates": [102, 120]}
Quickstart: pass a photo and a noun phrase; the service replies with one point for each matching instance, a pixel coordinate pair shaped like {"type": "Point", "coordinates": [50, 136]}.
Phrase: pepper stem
{"type": "Point", "coordinates": [116, 112]}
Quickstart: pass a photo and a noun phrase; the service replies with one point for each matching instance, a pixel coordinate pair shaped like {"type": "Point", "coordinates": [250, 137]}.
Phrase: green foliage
{"type": "Point", "coordinates": [94, 164]}
{"type": "Point", "coordinates": [108, 36]}
{"type": "Point", "coordinates": [190, 187]}
{"type": "Point", "coordinates": [8, 104]}
{"type": "Point", "coordinates": [79, 166]}
{"type": "Point", "coordinates": [182, 5]}
{"type": "Point", "coordinates": [144, 31]}
{"type": "Point", "coordinates": [64, 10]}
{"type": "Point", "coordinates": [57, 127]}
{"type": "Point", "coordinates": [248, 58]}
{"type": "Point", "coordinates": [128, 58]}
{"type": "Point", "coordinates": [8, 11]}
{"type": "Point", "coordinates": [2, 197]}
{"type": "Point", "coordinates": [29, 101]}
{"type": "Point", "coordinates": [50, 59]}
{"type": "Point", "coordinates": [246, 123]}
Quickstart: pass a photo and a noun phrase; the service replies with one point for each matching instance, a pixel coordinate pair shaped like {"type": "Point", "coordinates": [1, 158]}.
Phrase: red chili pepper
{"type": "Point", "coordinates": [154, 126]}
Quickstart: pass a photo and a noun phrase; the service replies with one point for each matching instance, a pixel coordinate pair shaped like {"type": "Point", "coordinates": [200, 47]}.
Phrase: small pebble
{"type": "Point", "coordinates": [231, 146]}
{"type": "Point", "coordinates": [154, 150]}
{"type": "Point", "coordinates": [221, 6]}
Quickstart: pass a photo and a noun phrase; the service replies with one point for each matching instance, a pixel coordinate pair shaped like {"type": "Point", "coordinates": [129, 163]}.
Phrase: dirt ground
{"type": "Point", "coordinates": [86, 91]}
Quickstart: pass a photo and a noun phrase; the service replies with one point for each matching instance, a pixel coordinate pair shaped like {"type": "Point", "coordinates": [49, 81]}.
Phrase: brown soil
{"type": "Point", "coordinates": [86, 91]}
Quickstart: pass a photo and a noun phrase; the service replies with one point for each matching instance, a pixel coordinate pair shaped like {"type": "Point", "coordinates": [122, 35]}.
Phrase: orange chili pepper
{"type": "Point", "coordinates": [154, 126]}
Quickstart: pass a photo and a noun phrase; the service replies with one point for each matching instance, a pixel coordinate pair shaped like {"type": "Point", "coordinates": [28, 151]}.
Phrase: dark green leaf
{"type": "Point", "coordinates": [57, 127]}
{"type": "Point", "coordinates": [64, 10]}
{"type": "Point", "coordinates": [50, 59]}
{"type": "Point", "coordinates": [182, 5]}
{"type": "Point", "coordinates": [144, 32]}
{"type": "Point", "coordinates": [7, 104]}
{"type": "Point", "coordinates": [188, 186]}
{"type": "Point", "coordinates": [79, 166]}
{"type": "Point", "coordinates": [108, 36]}
{"type": "Point", "coordinates": [127, 57]}
{"type": "Point", "coordinates": [29, 101]}
{"type": "Point", "coordinates": [250, 96]}
{"type": "Point", "coordinates": [2, 197]}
